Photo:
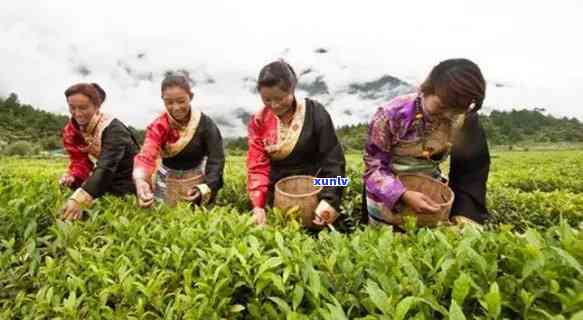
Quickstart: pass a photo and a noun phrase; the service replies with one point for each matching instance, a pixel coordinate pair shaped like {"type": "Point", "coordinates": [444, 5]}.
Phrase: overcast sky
{"type": "Point", "coordinates": [533, 48]}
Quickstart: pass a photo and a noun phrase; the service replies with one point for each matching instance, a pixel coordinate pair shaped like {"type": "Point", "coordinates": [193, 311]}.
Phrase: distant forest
{"type": "Point", "coordinates": [25, 130]}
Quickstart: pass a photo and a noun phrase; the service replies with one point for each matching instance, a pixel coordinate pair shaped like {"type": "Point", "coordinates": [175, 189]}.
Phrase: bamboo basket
{"type": "Point", "coordinates": [178, 187]}
{"type": "Point", "coordinates": [438, 191]}
{"type": "Point", "coordinates": [298, 191]}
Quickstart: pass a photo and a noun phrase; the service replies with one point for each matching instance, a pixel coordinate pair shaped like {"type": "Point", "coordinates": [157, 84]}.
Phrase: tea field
{"type": "Point", "coordinates": [122, 262]}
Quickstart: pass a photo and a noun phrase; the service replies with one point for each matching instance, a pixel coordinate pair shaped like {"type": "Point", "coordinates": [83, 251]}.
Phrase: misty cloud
{"type": "Point", "coordinates": [351, 61]}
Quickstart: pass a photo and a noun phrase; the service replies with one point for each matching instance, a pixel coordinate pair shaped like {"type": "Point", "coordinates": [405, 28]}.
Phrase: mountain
{"type": "Point", "coordinates": [349, 90]}
{"type": "Point", "coordinates": [229, 95]}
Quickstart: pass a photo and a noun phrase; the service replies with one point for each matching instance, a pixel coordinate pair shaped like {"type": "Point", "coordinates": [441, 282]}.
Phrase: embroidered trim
{"type": "Point", "coordinates": [287, 137]}
{"type": "Point", "coordinates": [433, 140]}
{"type": "Point", "coordinates": [82, 197]}
{"type": "Point", "coordinates": [93, 132]}
{"type": "Point", "coordinates": [185, 134]}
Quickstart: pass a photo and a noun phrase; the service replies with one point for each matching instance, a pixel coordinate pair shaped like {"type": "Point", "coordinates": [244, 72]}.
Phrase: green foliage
{"type": "Point", "coordinates": [536, 189]}
{"type": "Point", "coordinates": [519, 126]}
{"type": "Point", "coordinates": [20, 148]}
{"type": "Point", "coordinates": [236, 146]}
{"type": "Point", "coordinates": [23, 122]}
{"type": "Point", "coordinates": [122, 262]}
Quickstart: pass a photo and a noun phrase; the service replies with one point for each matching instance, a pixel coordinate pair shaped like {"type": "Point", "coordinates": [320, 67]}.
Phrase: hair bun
{"type": "Point", "coordinates": [100, 91]}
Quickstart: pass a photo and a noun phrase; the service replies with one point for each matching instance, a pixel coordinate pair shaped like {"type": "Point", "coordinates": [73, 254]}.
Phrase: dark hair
{"type": "Point", "coordinates": [177, 80]}
{"type": "Point", "coordinates": [278, 73]}
{"type": "Point", "coordinates": [458, 83]}
{"type": "Point", "coordinates": [92, 91]}
{"type": "Point", "coordinates": [100, 91]}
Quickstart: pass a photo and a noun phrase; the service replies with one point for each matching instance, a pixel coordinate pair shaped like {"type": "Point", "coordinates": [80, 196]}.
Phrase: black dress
{"type": "Point", "coordinates": [317, 153]}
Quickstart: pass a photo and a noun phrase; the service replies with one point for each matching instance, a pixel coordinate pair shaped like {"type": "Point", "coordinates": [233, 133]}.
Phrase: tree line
{"type": "Point", "coordinates": [25, 130]}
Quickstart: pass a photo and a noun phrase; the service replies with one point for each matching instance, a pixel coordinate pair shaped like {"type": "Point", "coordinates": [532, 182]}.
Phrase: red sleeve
{"type": "Point", "coordinates": [80, 165]}
{"type": "Point", "coordinates": [258, 165]}
{"type": "Point", "coordinates": [156, 136]}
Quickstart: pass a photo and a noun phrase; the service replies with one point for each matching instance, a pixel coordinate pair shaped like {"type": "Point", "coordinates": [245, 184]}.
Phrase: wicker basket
{"type": "Point", "coordinates": [178, 187]}
{"type": "Point", "coordinates": [439, 192]}
{"type": "Point", "coordinates": [298, 191]}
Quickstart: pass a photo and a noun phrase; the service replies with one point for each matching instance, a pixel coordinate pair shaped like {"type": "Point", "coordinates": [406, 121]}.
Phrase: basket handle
{"type": "Point", "coordinates": [317, 172]}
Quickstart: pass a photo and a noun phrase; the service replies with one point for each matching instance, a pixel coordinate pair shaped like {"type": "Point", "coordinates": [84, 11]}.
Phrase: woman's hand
{"type": "Point", "coordinates": [420, 203]}
{"type": "Point", "coordinates": [144, 193]}
{"type": "Point", "coordinates": [71, 210]}
{"type": "Point", "coordinates": [67, 180]}
{"type": "Point", "coordinates": [325, 218]}
{"type": "Point", "coordinates": [194, 195]}
{"type": "Point", "coordinates": [270, 148]}
{"type": "Point", "coordinates": [259, 217]}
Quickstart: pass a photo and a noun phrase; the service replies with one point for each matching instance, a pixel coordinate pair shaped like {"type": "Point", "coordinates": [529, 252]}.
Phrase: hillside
{"type": "Point", "coordinates": [27, 130]}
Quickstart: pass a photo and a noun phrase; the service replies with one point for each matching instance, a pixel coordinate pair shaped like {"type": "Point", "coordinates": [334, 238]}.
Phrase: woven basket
{"type": "Point", "coordinates": [178, 187]}
{"type": "Point", "coordinates": [298, 191]}
{"type": "Point", "coordinates": [438, 191]}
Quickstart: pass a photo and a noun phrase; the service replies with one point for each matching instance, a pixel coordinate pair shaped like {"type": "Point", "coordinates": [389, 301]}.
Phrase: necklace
{"type": "Point", "coordinates": [424, 130]}
{"type": "Point", "coordinates": [421, 128]}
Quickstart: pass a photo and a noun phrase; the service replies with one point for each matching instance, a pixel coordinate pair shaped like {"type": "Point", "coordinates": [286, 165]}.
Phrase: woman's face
{"type": "Point", "coordinates": [276, 99]}
{"type": "Point", "coordinates": [177, 102]}
{"type": "Point", "coordinates": [82, 109]}
{"type": "Point", "coordinates": [433, 105]}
